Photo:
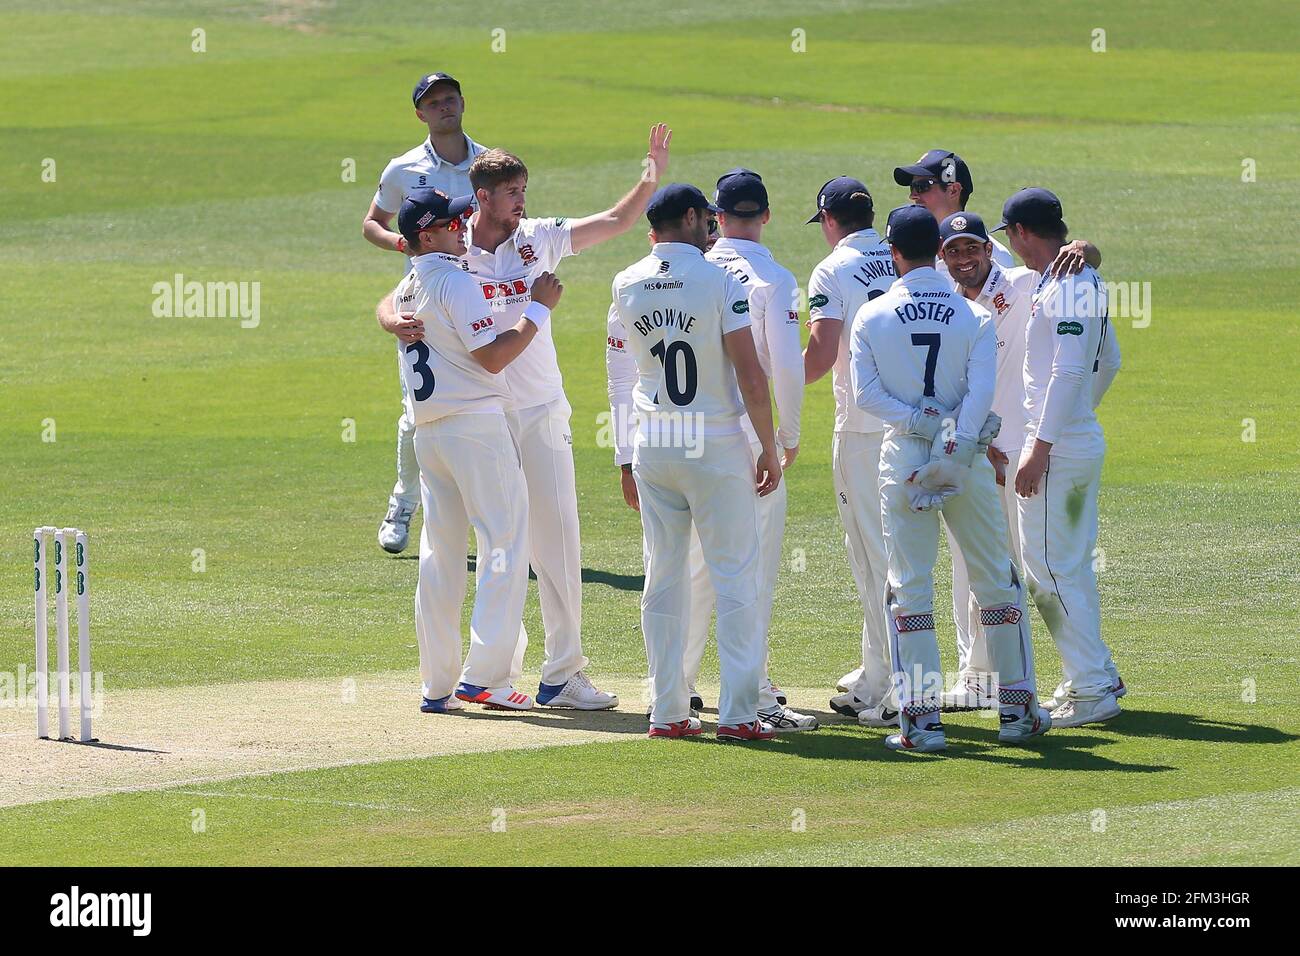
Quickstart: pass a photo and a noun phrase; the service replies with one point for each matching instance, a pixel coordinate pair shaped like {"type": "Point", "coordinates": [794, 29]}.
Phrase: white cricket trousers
{"type": "Point", "coordinates": [715, 492]}
{"type": "Point", "coordinates": [855, 464]}
{"type": "Point", "coordinates": [912, 545]}
{"type": "Point", "coordinates": [771, 531]}
{"type": "Point", "coordinates": [407, 489]}
{"type": "Point", "coordinates": [972, 655]}
{"type": "Point", "coordinates": [470, 477]}
{"type": "Point", "coordinates": [546, 449]}
{"type": "Point", "coordinates": [1058, 530]}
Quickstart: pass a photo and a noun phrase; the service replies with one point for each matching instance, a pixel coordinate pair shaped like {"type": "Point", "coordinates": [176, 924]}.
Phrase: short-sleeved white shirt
{"type": "Point", "coordinates": [774, 316]}
{"type": "Point", "coordinates": [505, 276]}
{"type": "Point", "coordinates": [440, 375]}
{"type": "Point", "coordinates": [675, 307]}
{"type": "Point", "coordinates": [859, 268]}
{"type": "Point", "coordinates": [423, 168]}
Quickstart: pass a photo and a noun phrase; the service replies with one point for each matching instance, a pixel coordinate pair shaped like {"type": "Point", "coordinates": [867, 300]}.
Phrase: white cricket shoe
{"type": "Point", "coordinates": [1020, 729]}
{"type": "Point", "coordinates": [769, 685]}
{"type": "Point", "coordinates": [847, 704]}
{"type": "Point", "coordinates": [970, 692]}
{"type": "Point", "coordinates": [395, 530]}
{"type": "Point", "coordinates": [917, 740]}
{"type": "Point", "coordinates": [577, 693]}
{"type": "Point", "coordinates": [494, 698]}
{"type": "Point", "coordinates": [1059, 697]}
{"type": "Point", "coordinates": [848, 680]}
{"type": "Point", "coordinates": [784, 720]}
{"type": "Point", "coordinates": [1076, 713]}
{"type": "Point", "coordinates": [878, 716]}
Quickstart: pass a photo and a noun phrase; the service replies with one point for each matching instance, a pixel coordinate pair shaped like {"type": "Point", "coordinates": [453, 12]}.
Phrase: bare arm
{"type": "Point", "coordinates": [822, 350]}
{"type": "Point", "coordinates": [619, 218]}
{"type": "Point", "coordinates": [409, 327]}
{"type": "Point", "coordinates": [739, 346]}
{"type": "Point", "coordinates": [375, 227]}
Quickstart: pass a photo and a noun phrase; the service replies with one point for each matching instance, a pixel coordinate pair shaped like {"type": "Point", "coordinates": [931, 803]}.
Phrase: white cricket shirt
{"type": "Point", "coordinates": [858, 269]}
{"type": "Point", "coordinates": [1067, 341]}
{"type": "Point", "coordinates": [921, 339]}
{"type": "Point", "coordinates": [440, 375]}
{"type": "Point", "coordinates": [505, 276]}
{"type": "Point", "coordinates": [675, 307]}
{"type": "Point", "coordinates": [774, 314]}
{"type": "Point", "coordinates": [1007, 295]}
{"type": "Point", "coordinates": [423, 168]}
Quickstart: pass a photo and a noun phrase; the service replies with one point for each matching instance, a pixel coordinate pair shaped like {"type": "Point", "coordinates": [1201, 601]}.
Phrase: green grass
{"type": "Point", "coordinates": [180, 434]}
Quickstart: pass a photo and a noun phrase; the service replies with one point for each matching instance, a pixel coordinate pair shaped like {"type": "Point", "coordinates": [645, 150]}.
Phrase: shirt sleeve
{"type": "Point", "coordinates": [735, 305]}
{"type": "Point", "coordinates": [869, 392]}
{"type": "Point", "coordinates": [557, 236]}
{"type": "Point", "coordinates": [471, 316]}
{"type": "Point", "coordinates": [780, 317]}
{"type": "Point", "coordinates": [825, 301]}
{"type": "Point", "coordinates": [1070, 320]}
{"type": "Point", "coordinates": [388, 196]}
{"type": "Point", "coordinates": [1107, 364]}
{"type": "Point", "coordinates": [621, 375]}
{"type": "Point", "coordinates": [981, 379]}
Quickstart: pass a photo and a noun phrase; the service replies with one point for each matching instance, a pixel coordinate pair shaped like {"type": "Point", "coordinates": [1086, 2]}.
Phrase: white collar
{"type": "Point", "coordinates": [473, 150]}
{"type": "Point", "coordinates": [869, 234]}
{"type": "Point", "coordinates": [746, 247]}
{"type": "Point", "coordinates": [665, 249]}
{"type": "Point", "coordinates": [442, 260]}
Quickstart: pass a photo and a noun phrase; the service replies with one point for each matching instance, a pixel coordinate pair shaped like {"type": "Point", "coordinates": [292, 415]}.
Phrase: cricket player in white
{"type": "Point", "coordinates": [470, 474]}
{"type": "Point", "coordinates": [506, 252]}
{"type": "Point", "coordinates": [924, 362]}
{"type": "Point", "coordinates": [858, 269]}
{"type": "Point", "coordinates": [1005, 294]}
{"type": "Point", "coordinates": [1071, 357]}
{"type": "Point", "coordinates": [440, 162]}
{"type": "Point", "coordinates": [741, 199]}
{"type": "Point", "coordinates": [688, 328]}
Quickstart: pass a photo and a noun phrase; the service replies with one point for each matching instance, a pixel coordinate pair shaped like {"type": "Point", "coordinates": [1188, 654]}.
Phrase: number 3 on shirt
{"type": "Point", "coordinates": [421, 368]}
{"type": "Point", "coordinates": [931, 342]}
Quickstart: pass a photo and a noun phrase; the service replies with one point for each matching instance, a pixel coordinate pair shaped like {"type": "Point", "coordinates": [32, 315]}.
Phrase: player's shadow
{"type": "Point", "coordinates": [606, 721]}
{"type": "Point", "coordinates": [1177, 726]}
{"type": "Point", "coordinates": [620, 582]}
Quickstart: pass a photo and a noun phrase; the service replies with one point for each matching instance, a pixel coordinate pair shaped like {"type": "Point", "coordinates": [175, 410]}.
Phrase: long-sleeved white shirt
{"type": "Point", "coordinates": [774, 312]}
{"type": "Point", "coordinates": [922, 340]}
{"type": "Point", "coordinates": [1071, 356]}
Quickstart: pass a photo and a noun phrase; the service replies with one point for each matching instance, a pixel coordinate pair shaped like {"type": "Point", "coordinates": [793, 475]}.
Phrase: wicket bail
{"type": "Point", "coordinates": [61, 582]}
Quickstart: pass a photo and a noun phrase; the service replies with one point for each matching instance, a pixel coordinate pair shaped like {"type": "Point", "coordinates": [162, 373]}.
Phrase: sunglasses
{"type": "Point", "coordinates": [713, 227]}
{"type": "Point", "coordinates": [457, 224]}
{"type": "Point", "coordinates": [925, 185]}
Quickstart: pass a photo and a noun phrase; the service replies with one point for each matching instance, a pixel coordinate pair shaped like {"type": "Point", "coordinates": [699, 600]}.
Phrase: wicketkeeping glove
{"type": "Point", "coordinates": [990, 430]}
{"type": "Point", "coordinates": [927, 421]}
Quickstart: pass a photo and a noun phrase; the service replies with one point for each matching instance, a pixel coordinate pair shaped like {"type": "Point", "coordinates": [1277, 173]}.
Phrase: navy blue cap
{"type": "Point", "coordinates": [428, 80]}
{"type": "Point", "coordinates": [913, 231]}
{"type": "Point", "coordinates": [671, 202]}
{"type": "Point", "coordinates": [838, 195]}
{"type": "Point", "coordinates": [943, 164]}
{"type": "Point", "coordinates": [423, 207]}
{"type": "Point", "coordinates": [962, 225]}
{"type": "Point", "coordinates": [741, 191]}
{"type": "Point", "coordinates": [1034, 206]}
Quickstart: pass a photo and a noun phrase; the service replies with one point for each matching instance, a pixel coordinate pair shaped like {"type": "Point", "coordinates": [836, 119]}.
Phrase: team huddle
{"type": "Point", "coordinates": [965, 389]}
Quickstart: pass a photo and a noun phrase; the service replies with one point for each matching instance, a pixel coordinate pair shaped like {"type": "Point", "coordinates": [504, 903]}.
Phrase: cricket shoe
{"type": "Point", "coordinates": [395, 530]}
{"type": "Point", "coordinates": [847, 704]}
{"type": "Point", "coordinates": [848, 680]}
{"type": "Point", "coordinates": [1018, 730]}
{"type": "Point", "coordinates": [578, 693]}
{"type": "Point", "coordinates": [783, 719]}
{"type": "Point", "coordinates": [913, 738]}
{"type": "Point", "coordinates": [878, 716]}
{"type": "Point", "coordinates": [697, 702]}
{"type": "Point", "coordinates": [970, 692]}
{"type": "Point", "coordinates": [495, 698]}
{"type": "Point", "coordinates": [690, 727]}
{"type": "Point", "coordinates": [440, 705]}
{"type": "Point", "coordinates": [1116, 682]}
{"type": "Point", "coordinates": [777, 692]}
{"type": "Point", "coordinates": [758, 730]}
{"type": "Point", "coordinates": [1076, 713]}
{"type": "Point", "coordinates": [1059, 697]}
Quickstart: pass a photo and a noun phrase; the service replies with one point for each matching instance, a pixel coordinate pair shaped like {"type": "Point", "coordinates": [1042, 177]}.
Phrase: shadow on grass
{"type": "Point", "coordinates": [1177, 726]}
{"type": "Point", "coordinates": [620, 582]}
{"type": "Point", "coordinates": [607, 721]}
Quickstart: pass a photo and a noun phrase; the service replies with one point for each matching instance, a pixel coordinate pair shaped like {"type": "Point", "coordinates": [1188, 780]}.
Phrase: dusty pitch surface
{"type": "Point", "coordinates": [160, 737]}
